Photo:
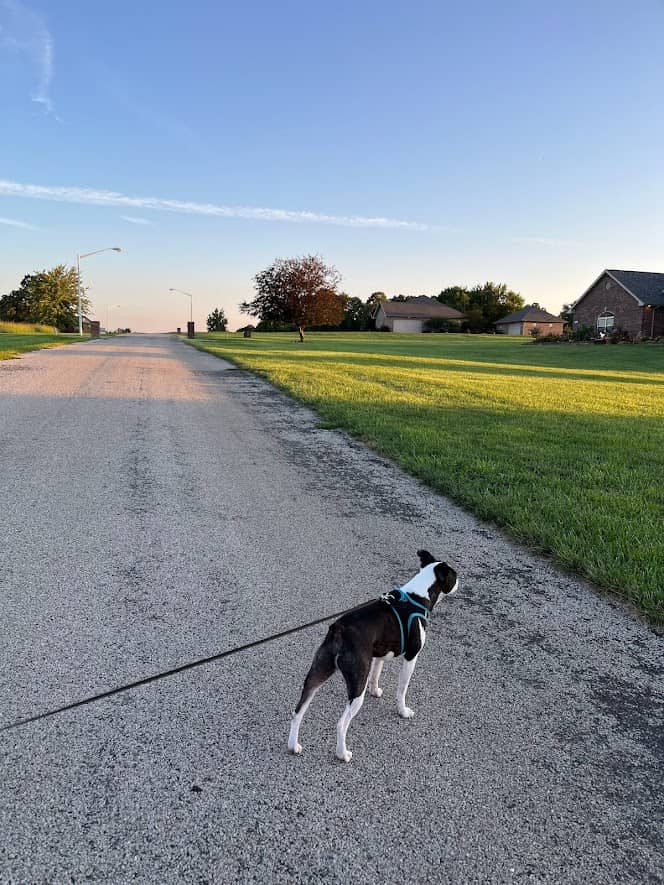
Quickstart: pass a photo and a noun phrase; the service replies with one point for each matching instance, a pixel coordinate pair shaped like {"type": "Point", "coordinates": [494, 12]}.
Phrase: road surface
{"type": "Point", "coordinates": [160, 506]}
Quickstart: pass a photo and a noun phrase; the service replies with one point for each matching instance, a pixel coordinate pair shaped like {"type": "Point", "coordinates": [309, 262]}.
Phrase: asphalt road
{"type": "Point", "coordinates": [159, 506]}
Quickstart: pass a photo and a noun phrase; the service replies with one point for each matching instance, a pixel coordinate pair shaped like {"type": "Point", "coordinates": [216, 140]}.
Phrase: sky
{"type": "Point", "coordinates": [413, 145]}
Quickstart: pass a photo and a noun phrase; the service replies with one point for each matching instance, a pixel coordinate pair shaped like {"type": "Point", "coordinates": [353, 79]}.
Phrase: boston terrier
{"type": "Point", "coordinates": [360, 641]}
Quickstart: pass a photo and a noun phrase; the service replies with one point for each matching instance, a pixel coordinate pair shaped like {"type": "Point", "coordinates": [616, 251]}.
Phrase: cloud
{"type": "Point", "coordinates": [133, 220]}
{"type": "Point", "coordinates": [12, 222]}
{"type": "Point", "coordinates": [542, 241]}
{"type": "Point", "coordinates": [25, 32]}
{"type": "Point", "coordinates": [86, 196]}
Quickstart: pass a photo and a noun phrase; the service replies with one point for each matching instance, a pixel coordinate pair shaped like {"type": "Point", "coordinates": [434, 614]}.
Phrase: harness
{"type": "Point", "coordinates": [405, 610]}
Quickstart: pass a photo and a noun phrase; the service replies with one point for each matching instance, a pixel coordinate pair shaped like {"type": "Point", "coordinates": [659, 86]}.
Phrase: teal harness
{"type": "Point", "coordinates": [405, 610]}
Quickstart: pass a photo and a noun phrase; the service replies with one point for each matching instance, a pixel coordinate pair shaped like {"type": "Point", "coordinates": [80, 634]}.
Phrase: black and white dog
{"type": "Point", "coordinates": [360, 641]}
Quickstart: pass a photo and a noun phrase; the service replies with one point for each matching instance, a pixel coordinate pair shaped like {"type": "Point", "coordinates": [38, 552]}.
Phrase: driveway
{"type": "Point", "coordinates": [159, 506]}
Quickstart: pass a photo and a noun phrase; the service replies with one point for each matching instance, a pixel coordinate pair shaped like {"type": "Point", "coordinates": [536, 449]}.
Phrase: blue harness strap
{"type": "Point", "coordinates": [421, 612]}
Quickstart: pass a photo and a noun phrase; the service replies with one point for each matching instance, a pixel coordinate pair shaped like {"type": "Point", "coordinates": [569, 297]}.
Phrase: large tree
{"type": "Point", "coordinates": [48, 296]}
{"type": "Point", "coordinates": [302, 291]}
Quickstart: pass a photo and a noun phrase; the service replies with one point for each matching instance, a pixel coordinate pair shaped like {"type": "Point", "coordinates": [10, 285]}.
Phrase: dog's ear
{"type": "Point", "coordinates": [447, 577]}
{"type": "Point", "coordinates": [425, 558]}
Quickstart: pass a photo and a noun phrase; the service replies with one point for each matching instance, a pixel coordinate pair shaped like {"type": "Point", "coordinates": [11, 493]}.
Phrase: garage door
{"type": "Point", "coordinates": [407, 325]}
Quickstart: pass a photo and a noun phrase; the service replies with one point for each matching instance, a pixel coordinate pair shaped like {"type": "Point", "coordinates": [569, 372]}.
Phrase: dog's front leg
{"type": "Point", "coordinates": [405, 673]}
{"type": "Point", "coordinates": [374, 676]}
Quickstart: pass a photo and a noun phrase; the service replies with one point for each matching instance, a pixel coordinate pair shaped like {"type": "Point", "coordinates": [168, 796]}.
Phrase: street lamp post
{"type": "Point", "coordinates": [191, 302]}
{"type": "Point", "coordinates": [109, 308]}
{"type": "Point", "coordinates": [78, 279]}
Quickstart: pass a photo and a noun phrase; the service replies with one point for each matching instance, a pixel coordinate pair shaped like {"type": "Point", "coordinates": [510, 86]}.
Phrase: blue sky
{"type": "Point", "coordinates": [520, 142]}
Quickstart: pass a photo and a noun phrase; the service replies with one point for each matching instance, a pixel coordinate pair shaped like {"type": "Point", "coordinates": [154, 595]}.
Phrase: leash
{"type": "Point", "coordinates": [166, 673]}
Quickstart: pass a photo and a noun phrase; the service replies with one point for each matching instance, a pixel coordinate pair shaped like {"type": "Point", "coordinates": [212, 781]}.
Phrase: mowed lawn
{"type": "Point", "coordinates": [12, 345]}
{"type": "Point", "coordinates": [561, 445]}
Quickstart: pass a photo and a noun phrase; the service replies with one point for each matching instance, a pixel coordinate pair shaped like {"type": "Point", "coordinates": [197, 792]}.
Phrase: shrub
{"type": "Point", "coordinates": [583, 333]}
{"type": "Point", "coordinates": [550, 338]}
{"type": "Point", "coordinates": [617, 336]}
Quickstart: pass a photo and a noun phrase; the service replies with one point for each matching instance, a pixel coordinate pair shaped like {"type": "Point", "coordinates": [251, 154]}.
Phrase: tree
{"type": "Point", "coordinates": [216, 321]}
{"type": "Point", "coordinates": [567, 313]}
{"type": "Point", "coordinates": [48, 296]}
{"type": "Point", "coordinates": [302, 291]}
{"type": "Point", "coordinates": [456, 297]}
{"type": "Point", "coordinates": [482, 305]}
{"type": "Point", "coordinates": [356, 315]}
{"type": "Point", "coordinates": [375, 300]}
{"type": "Point", "coordinates": [15, 307]}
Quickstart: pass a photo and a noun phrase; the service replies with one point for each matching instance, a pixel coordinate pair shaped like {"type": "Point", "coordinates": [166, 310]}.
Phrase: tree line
{"type": "Point", "coordinates": [302, 293]}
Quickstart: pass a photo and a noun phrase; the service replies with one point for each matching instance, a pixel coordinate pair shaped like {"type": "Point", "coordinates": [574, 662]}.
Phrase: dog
{"type": "Point", "coordinates": [360, 641]}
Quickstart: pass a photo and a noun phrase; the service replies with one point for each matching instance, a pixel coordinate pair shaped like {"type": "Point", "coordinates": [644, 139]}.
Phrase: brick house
{"type": "Point", "coordinates": [412, 315]}
{"type": "Point", "coordinates": [631, 301]}
{"type": "Point", "coordinates": [523, 321]}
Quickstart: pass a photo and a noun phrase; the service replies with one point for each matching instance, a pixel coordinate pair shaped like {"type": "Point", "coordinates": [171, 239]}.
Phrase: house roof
{"type": "Point", "coordinates": [421, 308]}
{"type": "Point", "coordinates": [529, 315]}
{"type": "Point", "coordinates": [645, 287]}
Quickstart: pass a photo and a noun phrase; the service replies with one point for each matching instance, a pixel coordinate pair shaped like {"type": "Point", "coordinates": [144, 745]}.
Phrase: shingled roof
{"type": "Point", "coordinates": [529, 315]}
{"type": "Point", "coordinates": [422, 308]}
{"type": "Point", "coordinates": [646, 287]}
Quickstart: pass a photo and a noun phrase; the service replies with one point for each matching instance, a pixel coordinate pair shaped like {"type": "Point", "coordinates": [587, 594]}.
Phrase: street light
{"type": "Point", "coordinates": [191, 302]}
{"type": "Point", "coordinates": [78, 271]}
{"type": "Point", "coordinates": [110, 307]}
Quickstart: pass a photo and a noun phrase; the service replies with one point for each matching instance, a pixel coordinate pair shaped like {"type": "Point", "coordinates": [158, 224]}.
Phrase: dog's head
{"type": "Point", "coordinates": [444, 578]}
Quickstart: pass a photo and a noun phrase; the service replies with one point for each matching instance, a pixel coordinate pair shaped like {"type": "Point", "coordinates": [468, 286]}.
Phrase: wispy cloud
{"type": "Point", "coordinates": [24, 31]}
{"type": "Point", "coordinates": [542, 241]}
{"type": "Point", "coordinates": [133, 220]}
{"type": "Point", "coordinates": [86, 196]}
{"type": "Point", "coordinates": [12, 222]}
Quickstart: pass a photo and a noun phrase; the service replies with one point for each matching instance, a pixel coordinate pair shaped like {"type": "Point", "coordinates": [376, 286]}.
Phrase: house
{"type": "Point", "coordinates": [631, 301]}
{"type": "Point", "coordinates": [412, 315]}
{"type": "Point", "coordinates": [523, 321]}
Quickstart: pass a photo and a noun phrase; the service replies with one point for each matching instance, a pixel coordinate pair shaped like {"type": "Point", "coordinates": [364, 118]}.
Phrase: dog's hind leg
{"type": "Point", "coordinates": [322, 668]}
{"type": "Point", "coordinates": [355, 673]}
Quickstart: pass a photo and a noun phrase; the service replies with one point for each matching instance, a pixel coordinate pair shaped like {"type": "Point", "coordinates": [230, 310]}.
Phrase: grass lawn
{"type": "Point", "coordinates": [12, 345]}
{"type": "Point", "coordinates": [563, 446]}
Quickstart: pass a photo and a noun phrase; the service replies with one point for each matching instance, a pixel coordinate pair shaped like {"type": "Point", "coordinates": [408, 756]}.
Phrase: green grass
{"type": "Point", "coordinates": [563, 446]}
{"type": "Point", "coordinates": [12, 345]}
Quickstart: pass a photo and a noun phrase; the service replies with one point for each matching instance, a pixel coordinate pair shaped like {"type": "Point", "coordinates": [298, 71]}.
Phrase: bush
{"type": "Point", "coordinates": [440, 324]}
{"type": "Point", "coordinates": [583, 333]}
{"type": "Point", "coordinates": [617, 336]}
{"type": "Point", "coordinates": [550, 338]}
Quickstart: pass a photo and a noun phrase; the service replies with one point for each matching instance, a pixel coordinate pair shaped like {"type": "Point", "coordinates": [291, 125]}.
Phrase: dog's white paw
{"type": "Point", "coordinates": [375, 692]}
{"type": "Point", "coordinates": [296, 749]}
{"type": "Point", "coordinates": [406, 713]}
{"type": "Point", "coordinates": [346, 756]}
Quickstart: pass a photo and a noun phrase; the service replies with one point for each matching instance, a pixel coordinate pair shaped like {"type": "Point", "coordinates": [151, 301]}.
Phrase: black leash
{"type": "Point", "coordinates": [181, 669]}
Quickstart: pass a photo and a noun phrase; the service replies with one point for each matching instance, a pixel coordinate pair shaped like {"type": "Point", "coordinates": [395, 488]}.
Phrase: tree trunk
{"type": "Point", "coordinates": [300, 330]}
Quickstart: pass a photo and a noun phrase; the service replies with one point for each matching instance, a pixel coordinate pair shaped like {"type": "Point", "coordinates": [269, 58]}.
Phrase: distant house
{"type": "Point", "coordinates": [523, 321]}
{"type": "Point", "coordinates": [631, 301]}
{"type": "Point", "coordinates": [412, 315]}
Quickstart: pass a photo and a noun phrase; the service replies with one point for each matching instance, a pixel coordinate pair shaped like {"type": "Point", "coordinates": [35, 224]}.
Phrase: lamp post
{"type": "Point", "coordinates": [78, 278]}
{"type": "Point", "coordinates": [109, 308]}
{"type": "Point", "coordinates": [191, 302]}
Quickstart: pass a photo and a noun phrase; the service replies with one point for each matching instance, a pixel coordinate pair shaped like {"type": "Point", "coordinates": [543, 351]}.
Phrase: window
{"type": "Point", "coordinates": [605, 321]}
